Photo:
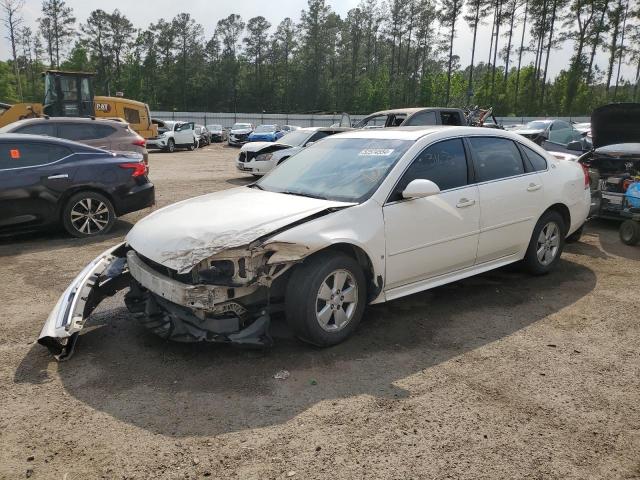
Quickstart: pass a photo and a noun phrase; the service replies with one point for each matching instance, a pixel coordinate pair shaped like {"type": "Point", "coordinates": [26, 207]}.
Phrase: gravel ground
{"type": "Point", "coordinates": [498, 376]}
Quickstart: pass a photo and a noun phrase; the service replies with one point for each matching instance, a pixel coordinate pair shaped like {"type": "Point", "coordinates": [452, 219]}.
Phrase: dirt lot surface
{"type": "Point", "coordinates": [499, 376]}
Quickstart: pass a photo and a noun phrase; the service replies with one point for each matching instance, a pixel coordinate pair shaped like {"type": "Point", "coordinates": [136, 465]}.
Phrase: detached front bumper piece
{"type": "Point", "coordinates": [102, 278]}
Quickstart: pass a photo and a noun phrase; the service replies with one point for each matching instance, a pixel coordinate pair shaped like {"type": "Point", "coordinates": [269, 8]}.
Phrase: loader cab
{"type": "Point", "coordinates": [68, 94]}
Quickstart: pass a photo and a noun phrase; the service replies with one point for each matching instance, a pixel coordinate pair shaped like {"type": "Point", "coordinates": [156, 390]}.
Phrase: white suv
{"type": "Point", "coordinates": [172, 135]}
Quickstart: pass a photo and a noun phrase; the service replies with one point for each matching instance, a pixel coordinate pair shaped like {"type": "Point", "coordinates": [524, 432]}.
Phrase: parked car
{"type": "Point", "coordinates": [259, 158]}
{"type": "Point", "coordinates": [365, 216]}
{"type": "Point", "coordinates": [239, 133]}
{"type": "Point", "coordinates": [411, 117]}
{"type": "Point", "coordinates": [105, 134]}
{"type": "Point", "coordinates": [553, 135]}
{"type": "Point", "coordinates": [614, 167]}
{"type": "Point", "coordinates": [172, 135]}
{"type": "Point", "coordinates": [202, 136]}
{"type": "Point", "coordinates": [46, 181]}
{"type": "Point", "coordinates": [583, 127]}
{"type": "Point", "coordinates": [266, 133]}
{"type": "Point", "coordinates": [218, 133]}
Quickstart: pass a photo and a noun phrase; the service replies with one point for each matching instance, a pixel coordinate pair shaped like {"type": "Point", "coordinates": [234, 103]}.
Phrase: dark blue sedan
{"type": "Point", "coordinates": [266, 133]}
{"type": "Point", "coordinates": [46, 181]}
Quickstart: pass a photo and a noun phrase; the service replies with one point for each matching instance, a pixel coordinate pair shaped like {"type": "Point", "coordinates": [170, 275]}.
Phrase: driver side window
{"type": "Point", "coordinates": [444, 163]}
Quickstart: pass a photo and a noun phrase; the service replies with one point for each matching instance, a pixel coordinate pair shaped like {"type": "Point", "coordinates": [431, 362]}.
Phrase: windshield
{"type": "Point", "coordinates": [296, 138]}
{"type": "Point", "coordinates": [266, 129]}
{"type": "Point", "coordinates": [538, 125]}
{"type": "Point", "coordinates": [341, 169]}
{"type": "Point", "coordinates": [241, 126]}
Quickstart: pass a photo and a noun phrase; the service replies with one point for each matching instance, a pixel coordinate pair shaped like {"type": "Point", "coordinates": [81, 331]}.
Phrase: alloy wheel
{"type": "Point", "coordinates": [336, 300]}
{"type": "Point", "coordinates": [548, 243]}
{"type": "Point", "coordinates": [89, 216]}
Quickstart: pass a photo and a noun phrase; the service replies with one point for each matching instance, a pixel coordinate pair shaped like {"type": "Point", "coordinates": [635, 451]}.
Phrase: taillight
{"type": "Point", "coordinates": [139, 168]}
{"type": "Point", "coordinates": [587, 180]}
{"type": "Point", "coordinates": [140, 142]}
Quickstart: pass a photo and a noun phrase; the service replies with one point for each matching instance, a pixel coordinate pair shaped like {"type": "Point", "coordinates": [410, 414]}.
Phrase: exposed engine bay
{"type": "Point", "coordinates": [614, 178]}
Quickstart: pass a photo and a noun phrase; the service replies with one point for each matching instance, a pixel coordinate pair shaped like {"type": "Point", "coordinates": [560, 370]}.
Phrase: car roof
{"type": "Point", "coordinates": [412, 110]}
{"type": "Point", "coordinates": [24, 137]}
{"type": "Point", "coordinates": [415, 133]}
{"type": "Point", "coordinates": [28, 121]}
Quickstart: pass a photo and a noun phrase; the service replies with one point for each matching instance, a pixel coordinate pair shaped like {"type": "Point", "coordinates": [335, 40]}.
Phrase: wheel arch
{"type": "Point", "coordinates": [564, 212]}
{"type": "Point", "coordinates": [374, 283]}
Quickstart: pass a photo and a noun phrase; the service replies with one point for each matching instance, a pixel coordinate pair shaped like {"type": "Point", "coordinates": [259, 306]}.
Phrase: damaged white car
{"type": "Point", "coordinates": [362, 217]}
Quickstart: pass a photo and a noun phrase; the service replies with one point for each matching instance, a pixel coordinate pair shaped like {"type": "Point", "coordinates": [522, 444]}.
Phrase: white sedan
{"type": "Point", "coordinates": [362, 217]}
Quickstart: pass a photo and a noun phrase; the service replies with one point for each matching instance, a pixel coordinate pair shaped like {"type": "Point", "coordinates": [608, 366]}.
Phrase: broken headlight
{"type": "Point", "coordinates": [220, 271]}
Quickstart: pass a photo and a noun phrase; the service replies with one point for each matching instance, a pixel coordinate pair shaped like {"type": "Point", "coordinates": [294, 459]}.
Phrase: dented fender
{"type": "Point", "coordinates": [101, 278]}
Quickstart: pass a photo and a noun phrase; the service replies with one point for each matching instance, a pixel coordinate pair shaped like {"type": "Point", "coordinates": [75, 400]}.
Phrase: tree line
{"type": "Point", "coordinates": [382, 54]}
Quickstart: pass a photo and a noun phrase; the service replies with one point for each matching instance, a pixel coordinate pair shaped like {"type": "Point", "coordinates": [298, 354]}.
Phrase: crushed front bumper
{"type": "Point", "coordinates": [102, 278]}
{"type": "Point", "coordinates": [169, 308]}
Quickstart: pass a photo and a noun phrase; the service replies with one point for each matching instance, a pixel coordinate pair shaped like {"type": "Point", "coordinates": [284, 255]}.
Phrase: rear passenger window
{"type": "Point", "coordinates": [496, 158]}
{"type": "Point", "coordinates": [17, 155]}
{"type": "Point", "coordinates": [84, 131]}
{"type": "Point", "coordinates": [450, 118]}
{"type": "Point", "coordinates": [444, 163]}
{"type": "Point", "coordinates": [40, 128]}
{"type": "Point", "coordinates": [538, 162]}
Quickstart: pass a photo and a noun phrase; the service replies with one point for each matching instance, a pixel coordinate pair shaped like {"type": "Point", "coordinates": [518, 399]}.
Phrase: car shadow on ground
{"type": "Point", "coordinates": [51, 240]}
{"type": "Point", "coordinates": [606, 235]}
{"type": "Point", "coordinates": [203, 389]}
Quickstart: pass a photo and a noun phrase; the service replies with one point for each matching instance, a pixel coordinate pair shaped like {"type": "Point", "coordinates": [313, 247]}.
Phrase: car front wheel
{"type": "Point", "coordinates": [325, 298]}
{"type": "Point", "coordinates": [87, 214]}
{"type": "Point", "coordinates": [630, 232]}
{"type": "Point", "coordinates": [171, 146]}
{"type": "Point", "coordinates": [546, 245]}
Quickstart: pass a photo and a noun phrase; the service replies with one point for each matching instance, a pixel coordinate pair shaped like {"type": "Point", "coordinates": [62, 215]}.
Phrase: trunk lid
{"type": "Point", "coordinates": [615, 123]}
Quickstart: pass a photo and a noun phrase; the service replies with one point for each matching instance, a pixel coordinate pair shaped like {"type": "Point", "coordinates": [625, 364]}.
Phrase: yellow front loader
{"type": "Point", "coordinates": [70, 94]}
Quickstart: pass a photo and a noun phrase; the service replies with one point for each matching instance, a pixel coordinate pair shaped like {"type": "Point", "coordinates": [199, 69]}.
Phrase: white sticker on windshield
{"type": "Point", "coordinates": [376, 152]}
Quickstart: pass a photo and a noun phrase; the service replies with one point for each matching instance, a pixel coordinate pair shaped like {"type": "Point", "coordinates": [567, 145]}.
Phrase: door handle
{"type": "Point", "coordinates": [533, 187]}
{"type": "Point", "coordinates": [62, 175]}
{"type": "Point", "coordinates": [465, 203]}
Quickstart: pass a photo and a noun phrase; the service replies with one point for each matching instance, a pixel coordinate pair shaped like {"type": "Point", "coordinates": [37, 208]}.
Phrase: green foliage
{"type": "Point", "coordinates": [382, 54]}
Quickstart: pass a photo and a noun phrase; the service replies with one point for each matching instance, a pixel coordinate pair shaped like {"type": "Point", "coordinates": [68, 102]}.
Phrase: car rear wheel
{"type": "Point", "coordinates": [546, 245]}
{"type": "Point", "coordinates": [171, 146]}
{"type": "Point", "coordinates": [87, 214]}
{"type": "Point", "coordinates": [630, 232]}
{"type": "Point", "coordinates": [325, 298]}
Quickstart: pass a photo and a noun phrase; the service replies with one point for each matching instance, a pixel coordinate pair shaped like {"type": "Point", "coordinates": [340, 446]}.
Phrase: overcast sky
{"type": "Point", "coordinates": [208, 12]}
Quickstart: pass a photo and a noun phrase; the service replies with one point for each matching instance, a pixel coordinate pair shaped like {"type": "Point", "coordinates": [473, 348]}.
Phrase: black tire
{"type": "Point", "coordinates": [193, 146]}
{"type": "Point", "coordinates": [72, 215]}
{"type": "Point", "coordinates": [575, 236]}
{"type": "Point", "coordinates": [302, 298]}
{"type": "Point", "coordinates": [531, 259]}
{"type": "Point", "coordinates": [630, 232]}
{"type": "Point", "coordinates": [171, 146]}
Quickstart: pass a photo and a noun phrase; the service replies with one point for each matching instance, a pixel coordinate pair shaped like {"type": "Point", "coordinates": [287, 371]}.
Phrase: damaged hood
{"type": "Point", "coordinates": [615, 124]}
{"type": "Point", "coordinates": [183, 234]}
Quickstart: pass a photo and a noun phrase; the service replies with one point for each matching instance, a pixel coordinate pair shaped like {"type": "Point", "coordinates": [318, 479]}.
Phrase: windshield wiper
{"type": "Point", "coordinates": [303, 194]}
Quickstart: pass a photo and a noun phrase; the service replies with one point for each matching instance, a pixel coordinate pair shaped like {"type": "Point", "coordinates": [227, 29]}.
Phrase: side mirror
{"type": "Point", "coordinates": [576, 146]}
{"type": "Point", "coordinates": [420, 188]}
